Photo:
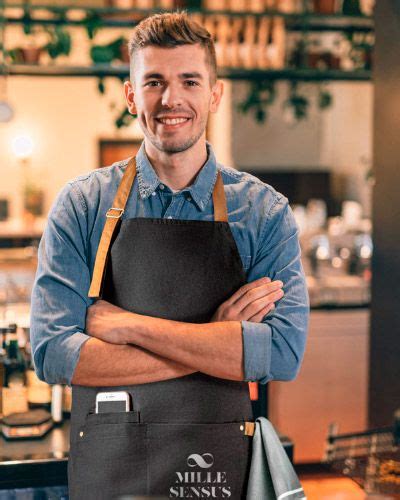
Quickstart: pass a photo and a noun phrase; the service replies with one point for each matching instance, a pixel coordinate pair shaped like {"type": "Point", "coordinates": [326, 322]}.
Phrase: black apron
{"type": "Point", "coordinates": [187, 437]}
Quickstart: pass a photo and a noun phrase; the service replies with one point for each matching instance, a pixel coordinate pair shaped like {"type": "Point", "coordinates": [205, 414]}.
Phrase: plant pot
{"type": "Point", "coordinates": [124, 51]}
{"type": "Point", "coordinates": [30, 55]}
{"type": "Point", "coordinates": [325, 6]}
{"type": "Point", "coordinates": [121, 4]}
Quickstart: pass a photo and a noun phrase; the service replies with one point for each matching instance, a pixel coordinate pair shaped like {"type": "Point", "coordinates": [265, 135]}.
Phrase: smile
{"type": "Point", "coordinates": [173, 121]}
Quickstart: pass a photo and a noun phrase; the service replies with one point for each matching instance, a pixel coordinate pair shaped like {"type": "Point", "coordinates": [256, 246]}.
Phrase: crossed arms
{"type": "Point", "coordinates": [128, 348]}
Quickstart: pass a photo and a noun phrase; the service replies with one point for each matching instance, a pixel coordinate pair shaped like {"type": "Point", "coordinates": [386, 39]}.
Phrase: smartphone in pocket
{"type": "Point", "coordinates": [117, 401]}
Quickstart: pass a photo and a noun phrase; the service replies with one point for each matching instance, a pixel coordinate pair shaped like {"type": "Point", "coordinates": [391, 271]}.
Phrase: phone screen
{"type": "Point", "coordinates": [111, 406]}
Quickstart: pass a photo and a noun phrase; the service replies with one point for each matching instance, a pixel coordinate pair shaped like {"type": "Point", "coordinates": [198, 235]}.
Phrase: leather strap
{"type": "Point", "coordinates": [113, 217]}
{"type": "Point", "coordinates": [249, 428]}
{"type": "Point", "coordinates": [115, 213]}
{"type": "Point", "coordinates": [219, 200]}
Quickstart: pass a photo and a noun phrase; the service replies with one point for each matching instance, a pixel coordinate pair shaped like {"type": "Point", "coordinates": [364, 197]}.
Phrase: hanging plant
{"type": "Point", "coordinates": [92, 23]}
{"type": "Point", "coordinates": [124, 119]}
{"type": "Point", "coordinates": [59, 43]}
{"type": "Point", "coordinates": [105, 54]}
{"type": "Point", "coordinates": [325, 98]}
{"type": "Point", "coordinates": [296, 105]}
{"type": "Point", "coordinates": [27, 20]}
{"type": "Point", "coordinates": [260, 96]}
{"type": "Point", "coordinates": [101, 87]}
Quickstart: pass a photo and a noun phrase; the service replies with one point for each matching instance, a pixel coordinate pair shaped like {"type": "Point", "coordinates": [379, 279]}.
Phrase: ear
{"type": "Point", "coordinates": [216, 95]}
{"type": "Point", "coordinates": [130, 97]}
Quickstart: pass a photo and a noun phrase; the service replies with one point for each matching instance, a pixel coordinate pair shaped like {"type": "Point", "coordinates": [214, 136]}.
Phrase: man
{"type": "Point", "coordinates": [175, 325]}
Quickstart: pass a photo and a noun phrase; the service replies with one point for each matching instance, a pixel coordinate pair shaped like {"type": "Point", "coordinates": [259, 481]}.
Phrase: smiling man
{"type": "Point", "coordinates": [169, 281]}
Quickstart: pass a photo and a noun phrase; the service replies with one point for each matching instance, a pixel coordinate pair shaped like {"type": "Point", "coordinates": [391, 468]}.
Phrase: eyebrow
{"type": "Point", "coordinates": [194, 74]}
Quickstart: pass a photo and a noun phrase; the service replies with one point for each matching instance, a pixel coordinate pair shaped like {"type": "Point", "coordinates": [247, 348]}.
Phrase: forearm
{"type": "Point", "coordinates": [212, 348]}
{"type": "Point", "coordinates": [104, 364]}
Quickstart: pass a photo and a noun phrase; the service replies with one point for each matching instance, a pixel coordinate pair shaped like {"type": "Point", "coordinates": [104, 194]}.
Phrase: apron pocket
{"type": "Point", "coordinates": [198, 460]}
{"type": "Point", "coordinates": [109, 458]}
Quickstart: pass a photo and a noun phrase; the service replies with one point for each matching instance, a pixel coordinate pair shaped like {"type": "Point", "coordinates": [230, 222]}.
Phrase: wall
{"type": "Point", "coordinates": [337, 139]}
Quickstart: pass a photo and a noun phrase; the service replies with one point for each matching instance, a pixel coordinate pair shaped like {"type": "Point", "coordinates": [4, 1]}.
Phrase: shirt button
{"type": "Point", "coordinates": [162, 186]}
{"type": "Point", "coordinates": [153, 193]}
{"type": "Point", "coordinates": [189, 198]}
{"type": "Point", "coordinates": [169, 217]}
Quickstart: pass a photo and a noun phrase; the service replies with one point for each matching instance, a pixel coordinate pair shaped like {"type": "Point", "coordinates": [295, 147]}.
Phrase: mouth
{"type": "Point", "coordinates": [173, 122]}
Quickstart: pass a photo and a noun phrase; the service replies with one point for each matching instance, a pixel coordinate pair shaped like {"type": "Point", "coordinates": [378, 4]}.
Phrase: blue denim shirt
{"type": "Point", "coordinates": [262, 225]}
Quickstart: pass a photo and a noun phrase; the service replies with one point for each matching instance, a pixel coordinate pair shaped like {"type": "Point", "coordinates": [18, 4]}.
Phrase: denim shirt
{"type": "Point", "coordinates": [262, 225]}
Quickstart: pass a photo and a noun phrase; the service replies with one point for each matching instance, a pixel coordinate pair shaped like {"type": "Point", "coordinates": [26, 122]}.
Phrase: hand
{"type": "Point", "coordinates": [251, 302]}
{"type": "Point", "coordinates": [107, 322]}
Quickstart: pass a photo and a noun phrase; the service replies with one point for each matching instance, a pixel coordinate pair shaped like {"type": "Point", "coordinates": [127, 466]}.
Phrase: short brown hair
{"type": "Point", "coordinates": [170, 30]}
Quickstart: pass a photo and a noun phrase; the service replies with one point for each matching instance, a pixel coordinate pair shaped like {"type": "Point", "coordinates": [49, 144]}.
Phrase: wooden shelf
{"type": "Point", "coordinates": [118, 18]}
{"type": "Point", "coordinates": [122, 70]}
{"type": "Point", "coordinates": [111, 17]}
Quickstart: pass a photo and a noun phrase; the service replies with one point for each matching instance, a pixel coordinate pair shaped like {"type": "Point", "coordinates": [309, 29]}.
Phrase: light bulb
{"type": "Point", "coordinates": [22, 146]}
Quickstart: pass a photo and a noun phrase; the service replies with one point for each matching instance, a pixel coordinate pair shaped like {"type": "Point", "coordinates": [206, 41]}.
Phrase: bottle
{"type": "Point", "coordinates": [14, 362]}
{"type": "Point", "coordinates": [351, 8]}
{"type": "Point", "coordinates": [57, 403]}
{"type": "Point", "coordinates": [67, 401]}
{"type": "Point", "coordinates": [2, 365]}
{"type": "Point", "coordinates": [14, 392]}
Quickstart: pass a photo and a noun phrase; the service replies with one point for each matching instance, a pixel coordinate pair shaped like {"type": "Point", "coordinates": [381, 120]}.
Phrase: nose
{"type": "Point", "coordinates": [171, 97]}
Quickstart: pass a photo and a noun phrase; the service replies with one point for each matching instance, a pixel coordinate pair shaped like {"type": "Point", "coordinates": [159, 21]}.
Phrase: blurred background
{"type": "Point", "coordinates": [311, 106]}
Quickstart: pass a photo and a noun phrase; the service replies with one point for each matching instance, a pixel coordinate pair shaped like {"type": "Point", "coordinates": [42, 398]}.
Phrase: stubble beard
{"type": "Point", "coordinates": [171, 146]}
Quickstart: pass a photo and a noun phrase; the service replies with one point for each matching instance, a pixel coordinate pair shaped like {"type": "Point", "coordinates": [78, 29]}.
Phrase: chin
{"type": "Point", "coordinates": [176, 146]}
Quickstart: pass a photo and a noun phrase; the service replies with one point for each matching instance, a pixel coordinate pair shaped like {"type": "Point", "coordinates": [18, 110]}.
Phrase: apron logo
{"type": "Point", "coordinates": [200, 460]}
{"type": "Point", "coordinates": [200, 483]}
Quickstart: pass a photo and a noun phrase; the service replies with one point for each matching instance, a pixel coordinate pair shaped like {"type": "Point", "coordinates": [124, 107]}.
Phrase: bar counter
{"type": "Point", "coordinates": [36, 462]}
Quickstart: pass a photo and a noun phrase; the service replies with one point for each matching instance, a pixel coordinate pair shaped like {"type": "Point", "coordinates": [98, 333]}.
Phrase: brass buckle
{"type": "Point", "coordinates": [121, 211]}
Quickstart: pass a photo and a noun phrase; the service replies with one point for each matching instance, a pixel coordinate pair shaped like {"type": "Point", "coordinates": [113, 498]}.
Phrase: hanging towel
{"type": "Point", "coordinates": [272, 476]}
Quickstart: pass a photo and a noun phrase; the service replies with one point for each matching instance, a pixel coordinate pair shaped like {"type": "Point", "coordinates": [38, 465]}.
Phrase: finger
{"type": "Point", "coordinates": [245, 288]}
{"type": "Point", "coordinates": [257, 318]}
{"type": "Point", "coordinates": [259, 304]}
{"type": "Point", "coordinates": [257, 293]}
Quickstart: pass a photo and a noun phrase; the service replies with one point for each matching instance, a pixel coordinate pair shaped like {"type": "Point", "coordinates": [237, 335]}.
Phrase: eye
{"type": "Point", "coordinates": [152, 83]}
{"type": "Point", "coordinates": [191, 83]}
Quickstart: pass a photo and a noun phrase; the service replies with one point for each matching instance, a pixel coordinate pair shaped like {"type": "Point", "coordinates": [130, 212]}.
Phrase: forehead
{"type": "Point", "coordinates": [171, 61]}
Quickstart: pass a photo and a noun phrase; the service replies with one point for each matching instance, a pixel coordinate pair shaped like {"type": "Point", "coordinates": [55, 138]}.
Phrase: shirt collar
{"type": "Point", "coordinates": [200, 190]}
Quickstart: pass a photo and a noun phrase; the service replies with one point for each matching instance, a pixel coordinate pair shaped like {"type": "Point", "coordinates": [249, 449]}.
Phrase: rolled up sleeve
{"type": "Point", "coordinates": [274, 348]}
{"type": "Point", "coordinates": [59, 296]}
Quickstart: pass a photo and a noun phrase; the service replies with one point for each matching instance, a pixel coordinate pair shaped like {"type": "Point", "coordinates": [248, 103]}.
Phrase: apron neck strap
{"type": "Point", "coordinates": [219, 200]}
{"type": "Point", "coordinates": [114, 214]}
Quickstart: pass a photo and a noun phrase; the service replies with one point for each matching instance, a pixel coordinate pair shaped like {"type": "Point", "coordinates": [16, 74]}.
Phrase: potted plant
{"type": "Point", "coordinates": [325, 6]}
{"type": "Point", "coordinates": [261, 95]}
{"type": "Point", "coordinates": [59, 42]}
{"type": "Point", "coordinates": [105, 54]}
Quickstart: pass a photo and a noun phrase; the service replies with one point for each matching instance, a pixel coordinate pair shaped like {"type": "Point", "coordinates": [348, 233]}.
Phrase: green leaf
{"type": "Point", "coordinates": [101, 86]}
{"type": "Point", "coordinates": [101, 54]}
{"type": "Point", "coordinates": [325, 99]}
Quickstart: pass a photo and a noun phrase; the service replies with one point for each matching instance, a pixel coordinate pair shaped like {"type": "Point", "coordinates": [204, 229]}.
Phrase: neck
{"type": "Point", "coordinates": [178, 170]}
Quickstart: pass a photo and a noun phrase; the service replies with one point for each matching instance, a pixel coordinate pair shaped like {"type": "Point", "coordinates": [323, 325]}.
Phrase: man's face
{"type": "Point", "coordinates": [172, 95]}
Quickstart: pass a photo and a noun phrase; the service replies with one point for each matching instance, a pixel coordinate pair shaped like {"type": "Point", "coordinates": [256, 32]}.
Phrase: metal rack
{"type": "Point", "coordinates": [370, 458]}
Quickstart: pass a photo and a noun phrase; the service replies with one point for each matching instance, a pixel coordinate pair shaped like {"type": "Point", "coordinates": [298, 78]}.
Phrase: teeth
{"type": "Point", "coordinates": [173, 121]}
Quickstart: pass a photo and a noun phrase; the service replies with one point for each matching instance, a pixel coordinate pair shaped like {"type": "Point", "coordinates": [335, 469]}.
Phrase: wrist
{"type": "Point", "coordinates": [134, 328]}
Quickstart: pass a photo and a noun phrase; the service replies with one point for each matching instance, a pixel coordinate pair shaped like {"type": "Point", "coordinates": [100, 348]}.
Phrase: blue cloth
{"type": "Point", "coordinates": [263, 227]}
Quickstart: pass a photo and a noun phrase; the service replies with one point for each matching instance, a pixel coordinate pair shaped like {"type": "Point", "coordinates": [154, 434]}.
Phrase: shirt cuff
{"type": "Point", "coordinates": [256, 351]}
{"type": "Point", "coordinates": [60, 369]}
